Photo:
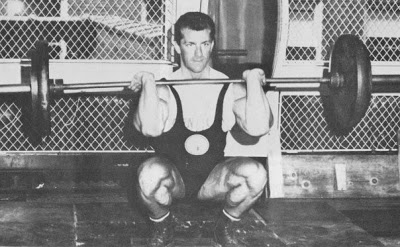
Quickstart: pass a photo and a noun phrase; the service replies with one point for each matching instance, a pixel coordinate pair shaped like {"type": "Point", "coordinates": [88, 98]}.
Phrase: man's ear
{"type": "Point", "coordinates": [177, 47]}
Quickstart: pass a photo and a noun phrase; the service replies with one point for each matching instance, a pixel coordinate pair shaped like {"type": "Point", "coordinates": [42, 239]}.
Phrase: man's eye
{"type": "Point", "coordinates": [189, 44]}
{"type": "Point", "coordinates": [207, 44]}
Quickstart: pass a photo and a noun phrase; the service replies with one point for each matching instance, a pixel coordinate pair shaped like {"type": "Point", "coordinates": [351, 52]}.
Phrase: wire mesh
{"type": "Point", "coordinates": [314, 26]}
{"type": "Point", "coordinates": [81, 124]}
{"type": "Point", "coordinates": [88, 30]}
{"type": "Point", "coordinates": [304, 129]}
{"type": "Point", "coordinates": [97, 123]}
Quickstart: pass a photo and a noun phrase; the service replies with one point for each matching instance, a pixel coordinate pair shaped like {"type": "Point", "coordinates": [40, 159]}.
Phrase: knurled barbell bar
{"type": "Point", "coordinates": [346, 97]}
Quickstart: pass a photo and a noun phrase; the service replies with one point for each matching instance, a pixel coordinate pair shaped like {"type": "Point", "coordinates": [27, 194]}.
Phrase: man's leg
{"type": "Point", "coordinates": [159, 182]}
{"type": "Point", "coordinates": [240, 182]}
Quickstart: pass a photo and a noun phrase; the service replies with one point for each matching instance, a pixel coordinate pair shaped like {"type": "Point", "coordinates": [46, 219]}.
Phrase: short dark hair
{"type": "Point", "coordinates": [196, 21]}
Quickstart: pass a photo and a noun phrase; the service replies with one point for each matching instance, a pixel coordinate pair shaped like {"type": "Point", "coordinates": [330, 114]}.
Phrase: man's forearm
{"type": "Point", "coordinates": [149, 117]}
{"type": "Point", "coordinates": [258, 116]}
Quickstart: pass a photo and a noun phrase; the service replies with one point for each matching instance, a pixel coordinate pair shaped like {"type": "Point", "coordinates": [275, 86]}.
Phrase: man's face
{"type": "Point", "coordinates": [195, 49]}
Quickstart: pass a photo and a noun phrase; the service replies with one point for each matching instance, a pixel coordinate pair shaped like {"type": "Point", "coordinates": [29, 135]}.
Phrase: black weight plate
{"type": "Point", "coordinates": [30, 110]}
{"type": "Point", "coordinates": [272, 27]}
{"type": "Point", "coordinates": [346, 105]}
{"type": "Point", "coordinates": [43, 87]}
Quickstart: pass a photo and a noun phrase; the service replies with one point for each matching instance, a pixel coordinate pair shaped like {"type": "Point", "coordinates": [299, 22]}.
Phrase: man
{"type": "Point", "coordinates": [187, 126]}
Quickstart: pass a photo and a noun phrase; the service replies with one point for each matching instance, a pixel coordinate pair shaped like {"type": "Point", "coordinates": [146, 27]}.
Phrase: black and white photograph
{"type": "Point", "coordinates": [224, 123]}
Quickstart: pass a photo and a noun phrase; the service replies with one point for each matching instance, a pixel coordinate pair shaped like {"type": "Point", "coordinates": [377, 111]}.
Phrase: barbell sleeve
{"type": "Point", "coordinates": [15, 88]}
{"type": "Point", "coordinates": [385, 83]}
{"type": "Point", "coordinates": [385, 79]}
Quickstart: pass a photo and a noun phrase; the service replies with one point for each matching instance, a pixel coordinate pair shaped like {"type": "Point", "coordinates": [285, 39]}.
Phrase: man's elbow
{"type": "Point", "coordinates": [258, 130]}
{"type": "Point", "coordinates": [146, 130]}
{"type": "Point", "coordinates": [151, 132]}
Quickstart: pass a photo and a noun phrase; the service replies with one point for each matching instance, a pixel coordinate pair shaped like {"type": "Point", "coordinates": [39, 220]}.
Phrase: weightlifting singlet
{"type": "Point", "coordinates": [194, 153]}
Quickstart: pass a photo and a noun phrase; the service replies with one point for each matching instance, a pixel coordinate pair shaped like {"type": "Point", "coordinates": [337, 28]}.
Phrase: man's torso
{"type": "Point", "coordinates": [199, 104]}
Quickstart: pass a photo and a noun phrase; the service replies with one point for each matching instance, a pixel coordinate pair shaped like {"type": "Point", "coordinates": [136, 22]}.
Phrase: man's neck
{"type": "Point", "coordinates": [205, 74]}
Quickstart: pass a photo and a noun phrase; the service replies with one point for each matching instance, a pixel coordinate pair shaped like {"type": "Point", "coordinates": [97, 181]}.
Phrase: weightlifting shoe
{"type": "Point", "coordinates": [162, 233]}
{"type": "Point", "coordinates": [225, 232]}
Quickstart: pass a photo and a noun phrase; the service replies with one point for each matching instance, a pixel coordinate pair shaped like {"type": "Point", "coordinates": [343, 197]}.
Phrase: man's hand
{"type": "Point", "coordinates": [140, 80]}
{"type": "Point", "coordinates": [255, 75]}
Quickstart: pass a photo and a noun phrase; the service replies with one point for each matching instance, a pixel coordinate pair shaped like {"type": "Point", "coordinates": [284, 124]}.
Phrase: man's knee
{"type": "Point", "coordinates": [254, 172]}
{"type": "Point", "coordinates": [153, 173]}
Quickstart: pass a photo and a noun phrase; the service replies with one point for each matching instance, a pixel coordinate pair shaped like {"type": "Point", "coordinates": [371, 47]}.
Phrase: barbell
{"type": "Point", "coordinates": [346, 91]}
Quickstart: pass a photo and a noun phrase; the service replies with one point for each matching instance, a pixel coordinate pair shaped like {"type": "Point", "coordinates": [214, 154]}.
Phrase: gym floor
{"type": "Point", "coordinates": [106, 218]}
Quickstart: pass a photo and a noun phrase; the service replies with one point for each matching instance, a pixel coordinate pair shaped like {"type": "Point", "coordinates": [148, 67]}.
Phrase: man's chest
{"type": "Point", "coordinates": [199, 105]}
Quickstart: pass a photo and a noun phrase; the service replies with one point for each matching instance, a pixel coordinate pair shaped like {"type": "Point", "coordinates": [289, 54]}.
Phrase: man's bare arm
{"type": "Point", "coordinates": [152, 111]}
{"type": "Point", "coordinates": [251, 106]}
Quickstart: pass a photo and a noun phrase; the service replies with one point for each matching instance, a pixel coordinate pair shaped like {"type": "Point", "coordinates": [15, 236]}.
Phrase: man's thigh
{"type": "Point", "coordinates": [222, 177]}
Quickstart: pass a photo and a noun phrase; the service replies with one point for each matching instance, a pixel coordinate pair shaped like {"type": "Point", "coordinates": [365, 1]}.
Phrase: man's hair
{"type": "Point", "coordinates": [195, 21]}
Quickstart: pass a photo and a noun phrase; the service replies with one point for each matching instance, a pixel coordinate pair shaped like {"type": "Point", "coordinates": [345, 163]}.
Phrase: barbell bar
{"type": "Point", "coordinates": [345, 100]}
{"type": "Point", "coordinates": [380, 83]}
{"type": "Point", "coordinates": [115, 87]}
{"type": "Point", "coordinates": [386, 81]}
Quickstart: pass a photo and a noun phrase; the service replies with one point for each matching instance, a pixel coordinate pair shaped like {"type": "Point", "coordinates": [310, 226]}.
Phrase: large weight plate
{"type": "Point", "coordinates": [30, 106]}
{"type": "Point", "coordinates": [346, 104]}
{"type": "Point", "coordinates": [43, 87]}
{"type": "Point", "coordinates": [35, 110]}
{"type": "Point", "coordinates": [272, 35]}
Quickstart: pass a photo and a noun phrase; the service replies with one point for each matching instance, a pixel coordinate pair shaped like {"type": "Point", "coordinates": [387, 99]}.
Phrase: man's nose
{"type": "Point", "coordinates": [198, 51]}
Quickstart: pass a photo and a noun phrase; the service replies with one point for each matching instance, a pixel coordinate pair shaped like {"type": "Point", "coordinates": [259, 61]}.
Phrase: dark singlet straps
{"type": "Point", "coordinates": [179, 110]}
{"type": "Point", "coordinates": [220, 103]}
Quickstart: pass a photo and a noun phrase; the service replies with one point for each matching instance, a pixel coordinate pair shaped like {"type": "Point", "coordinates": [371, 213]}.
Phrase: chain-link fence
{"type": "Point", "coordinates": [96, 123]}
{"type": "Point", "coordinates": [304, 129]}
{"type": "Point", "coordinates": [88, 30]}
{"type": "Point", "coordinates": [314, 26]}
{"type": "Point", "coordinates": [100, 30]}
{"type": "Point", "coordinates": [78, 124]}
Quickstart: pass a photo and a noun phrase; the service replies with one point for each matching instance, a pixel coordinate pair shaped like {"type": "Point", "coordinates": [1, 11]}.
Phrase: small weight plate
{"type": "Point", "coordinates": [347, 102]}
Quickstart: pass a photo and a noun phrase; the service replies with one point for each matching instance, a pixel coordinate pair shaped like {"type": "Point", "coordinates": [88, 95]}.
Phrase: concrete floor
{"type": "Point", "coordinates": [106, 218]}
